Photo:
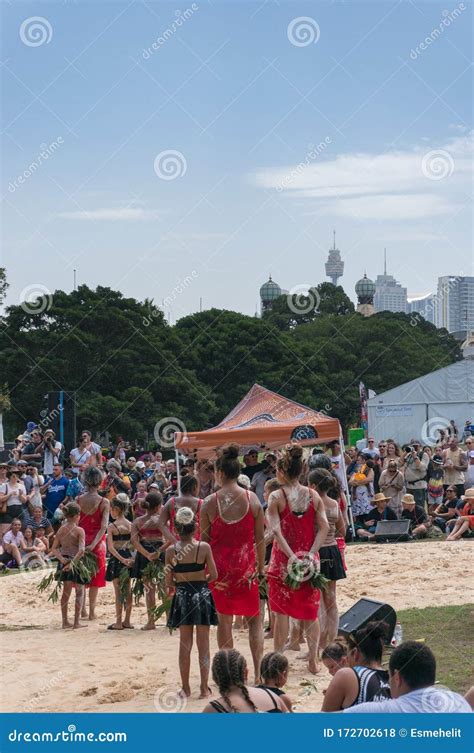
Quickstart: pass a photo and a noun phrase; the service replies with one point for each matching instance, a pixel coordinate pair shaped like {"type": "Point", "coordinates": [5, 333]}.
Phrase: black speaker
{"type": "Point", "coordinates": [392, 530]}
{"type": "Point", "coordinates": [61, 417]}
{"type": "Point", "coordinates": [368, 610]}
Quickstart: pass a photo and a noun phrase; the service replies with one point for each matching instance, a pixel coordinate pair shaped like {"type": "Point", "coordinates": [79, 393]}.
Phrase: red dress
{"type": "Point", "coordinates": [91, 524]}
{"type": "Point", "coordinates": [299, 532]}
{"type": "Point", "coordinates": [233, 549]}
{"type": "Point", "coordinates": [197, 534]}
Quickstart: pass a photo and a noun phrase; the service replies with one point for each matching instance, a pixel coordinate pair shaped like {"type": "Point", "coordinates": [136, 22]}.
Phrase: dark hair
{"type": "Point", "coordinates": [188, 484]}
{"type": "Point", "coordinates": [273, 664]}
{"type": "Point", "coordinates": [152, 501]}
{"type": "Point", "coordinates": [228, 671]}
{"type": "Point", "coordinates": [415, 663]}
{"type": "Point", "coordinates": [120, 502]}
{"type": "Point", "coordinates": [370, 640]}
{"type": "Point", "coordinates": [319, 460]}
{"type": "Point", "coordinates": [93, 476]}
{"type": "Point", "coordinates": [228, 462]}
{"type": "Point", "coordinates": [291, 462]}
{"type": "Point", "coordinates": [325, 482]}
{"type": "Point", "coordinates": [71, 510]}
{"type": "Point", "coordinates": [335, 650]}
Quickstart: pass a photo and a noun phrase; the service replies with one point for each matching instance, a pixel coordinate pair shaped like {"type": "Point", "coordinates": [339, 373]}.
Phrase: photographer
{"type": "Point", "coordinates": [52, 451]}
{"type": "Point", "coordinates": [416, 467]}
{"type": "Point", "coordinates": [34, 450]}
{"type": "Point", "coordinates": [114, 482]}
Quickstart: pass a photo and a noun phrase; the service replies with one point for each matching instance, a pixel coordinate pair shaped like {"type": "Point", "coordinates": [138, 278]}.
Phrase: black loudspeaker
{"type": "Point", "coordinates": [61, 417]}
{"type": "Point", "coordinates": [368, 610]}
{"type": "Point", "coordinates": [392, 530]}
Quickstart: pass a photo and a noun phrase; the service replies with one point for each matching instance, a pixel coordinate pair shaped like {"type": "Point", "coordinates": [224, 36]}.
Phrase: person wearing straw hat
{"type": "Point", "coordinates": [419, 522]}
{"type": "Point", "coordinates": [392, 483]}
{"type": "Point", "coordinates": [365, 528]}
{"type": "Point", "coordinates": [465, 522]}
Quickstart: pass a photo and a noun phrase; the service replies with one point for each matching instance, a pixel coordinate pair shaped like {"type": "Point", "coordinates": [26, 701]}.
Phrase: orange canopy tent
{"type": "Point", "coordinates": [263, 419]}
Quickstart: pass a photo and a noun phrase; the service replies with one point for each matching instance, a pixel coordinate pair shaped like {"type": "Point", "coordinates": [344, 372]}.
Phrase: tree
{"type": "Point", "coordinates": [3, 284]}
{"type": "Point", "coordinates": [5, 406]}
{"type": "Point", "coordinates": [290, 311]}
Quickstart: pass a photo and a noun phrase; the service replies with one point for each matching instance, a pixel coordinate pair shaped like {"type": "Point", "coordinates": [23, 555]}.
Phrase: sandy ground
{"type": "Point", "coordinates": [134, 671]}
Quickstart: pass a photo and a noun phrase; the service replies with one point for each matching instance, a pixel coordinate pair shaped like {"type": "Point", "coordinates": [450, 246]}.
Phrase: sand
{"type": "Point", "coordinates": [134, 671]}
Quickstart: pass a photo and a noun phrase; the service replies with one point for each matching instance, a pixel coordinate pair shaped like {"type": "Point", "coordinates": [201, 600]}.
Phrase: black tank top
{"type": "Point", "coordinates": [373, 685]}
{"type": "Point", "coordinates": [275, 710]}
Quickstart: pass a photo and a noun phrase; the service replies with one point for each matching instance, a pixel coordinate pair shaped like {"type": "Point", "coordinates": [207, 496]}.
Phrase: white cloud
{"type": "Point", "coordinates": [393, 185]}
{"type": "Point", "coordinates": [121, 213]}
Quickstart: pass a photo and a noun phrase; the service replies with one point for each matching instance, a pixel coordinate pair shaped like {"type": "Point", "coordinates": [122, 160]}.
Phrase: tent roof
{"type": "Point", "coordinates": [451, 384]}
{"type": "Point", "coordinates": [263, 419]}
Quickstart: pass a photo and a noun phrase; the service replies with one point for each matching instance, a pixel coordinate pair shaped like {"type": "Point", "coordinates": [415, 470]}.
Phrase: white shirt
{"type": "Point", "coordinates": [339, 468]}
{"type": "Point", "coordinates": [80, 456]}
{"type": "Point", "coordinates": [50, 459]}
{"type": "Point", "coordinates": [432, 700]}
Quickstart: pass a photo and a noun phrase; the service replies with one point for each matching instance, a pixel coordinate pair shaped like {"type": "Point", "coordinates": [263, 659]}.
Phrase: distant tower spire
{"type": "Point", "coordinates": [385, 261]}
{"type": "Point", "coordinates": [334, 264]}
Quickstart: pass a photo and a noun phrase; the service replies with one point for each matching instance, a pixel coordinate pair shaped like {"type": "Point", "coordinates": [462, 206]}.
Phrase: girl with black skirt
{"type": "Point", "coordinates": [193, 605]}
{"type": "Point", "coordinates": [332, 567]}
{"type": "Point", "coordinates": [119, 546]}
{"type": "Point", "coordinates": [147, 539]}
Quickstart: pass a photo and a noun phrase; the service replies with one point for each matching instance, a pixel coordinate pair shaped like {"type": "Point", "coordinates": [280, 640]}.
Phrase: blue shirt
{"type": "Point", "coordinates": [56, 493]}
{"type": "Point", "coordinates": [74, 488]}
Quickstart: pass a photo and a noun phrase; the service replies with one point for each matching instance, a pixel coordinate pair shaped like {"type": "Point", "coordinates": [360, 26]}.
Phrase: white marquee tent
{"type": "Point", "coordinates": [418, 408]}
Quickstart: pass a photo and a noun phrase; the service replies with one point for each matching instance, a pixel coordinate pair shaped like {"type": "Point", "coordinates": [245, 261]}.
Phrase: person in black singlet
{"type": "Point", "coordinates": [274, 673]}
{"type": "Point", "coordinates": [364, 679]}
{"type": "Point", "coordinates": [119, 547]}
{"type": "Point", "coordinates": [229, 672]}
{"type": "Point", "coordinates": [193, 605]}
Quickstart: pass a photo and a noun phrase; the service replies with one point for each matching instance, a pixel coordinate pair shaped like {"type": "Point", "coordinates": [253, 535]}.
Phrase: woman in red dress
{"type": "Point", "coordinates": [187, 498]}
{"type": "Point", "coordinates": [298, 520]}
{"type": "Point", "coordinates": [232, 522]}
{"type": "Point", "coordinates": [94, 520]}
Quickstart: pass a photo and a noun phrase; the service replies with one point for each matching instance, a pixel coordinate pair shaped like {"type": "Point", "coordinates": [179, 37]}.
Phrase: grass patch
{"type": "Point", "coordinates": [447, 631]}
{"type": "Point", "coordinates": [14, 628]}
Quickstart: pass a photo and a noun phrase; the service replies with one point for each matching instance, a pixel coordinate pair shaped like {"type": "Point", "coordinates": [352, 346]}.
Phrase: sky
{"type": "Point", "coordinates": [187, 152]}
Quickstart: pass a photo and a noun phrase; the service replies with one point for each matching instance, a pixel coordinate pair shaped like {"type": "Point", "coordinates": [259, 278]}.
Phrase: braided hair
{"type": "Point", "coordinates": [273, 665]}
{"type": "Point", "coordinates": [228, 671]}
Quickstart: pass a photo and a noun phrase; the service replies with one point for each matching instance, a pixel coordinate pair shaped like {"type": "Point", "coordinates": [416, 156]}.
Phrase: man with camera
{"type": "Point", "coordinates": [52, 451]}
{"type": "Point", "coordinates": [416, 467]}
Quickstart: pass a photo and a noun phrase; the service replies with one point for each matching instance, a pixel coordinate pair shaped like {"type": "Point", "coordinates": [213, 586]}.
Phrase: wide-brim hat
{"type": "Point", "coordinates": [379, 497]}
{"type": "Point", "coordinates": [468, 495]}
{"type": "Point", "coordinates": [408, 499]}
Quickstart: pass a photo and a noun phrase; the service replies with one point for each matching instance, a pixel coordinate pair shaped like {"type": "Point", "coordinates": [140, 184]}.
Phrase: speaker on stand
{"type": "Point", "coordinates": [368, 610]}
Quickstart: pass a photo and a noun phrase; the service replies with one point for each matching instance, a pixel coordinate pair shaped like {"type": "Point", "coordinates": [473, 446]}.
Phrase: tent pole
{"type": "Point", "coordinates": [346, 486]}
{"type": "Point", "coordinates": [178, 472]}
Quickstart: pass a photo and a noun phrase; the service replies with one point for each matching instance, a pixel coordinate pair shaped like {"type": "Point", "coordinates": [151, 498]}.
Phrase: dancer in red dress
{"type": "Point", "coordinates": [187, 498]}
{"type": "Point", "coordinates": [298, 520]}
{"type": "Point", "coordinates": [94, 520]}
{"type": "Point", "coordinates": [232, 522]}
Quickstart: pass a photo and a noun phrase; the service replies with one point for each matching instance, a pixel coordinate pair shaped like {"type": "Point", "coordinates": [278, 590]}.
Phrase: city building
{"type": "Point", "coordinates": [334, 265]}
{"type": "Point", "coordinates": [269, 292]}
{"type": "Point", "coordinates": [455, 304]}
{"type": "Point", "coordinates": [365, 291]}
{"type": "Point", "coordinates": [424, 305]}
{"type": "Point", "coordinates": [389, 294]}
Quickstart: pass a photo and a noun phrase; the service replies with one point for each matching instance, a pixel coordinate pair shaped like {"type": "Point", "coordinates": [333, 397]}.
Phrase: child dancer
{"type": "Point", "coordinates": [334, 656]}
{"type": "Point", "coordinates": [193, 604]}
{"type": "Point", "coordinates": [147, 539]}
{"type": "Point", "coordinates": [118, 544]}
{"type": "Point", "coordinates": [270, 486]}
{"type": "Point", "coordinates": [274, 672]}
{"type": "Point", "coordinates": [138, 499]}
{"type": "Point", "coordinates": [69, 547]}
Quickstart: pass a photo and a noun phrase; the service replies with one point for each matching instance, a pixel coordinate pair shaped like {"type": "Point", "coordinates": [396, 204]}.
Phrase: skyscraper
{"type": "Point", "coordinates": [455, 303]}
{"type": "Point", "coordinates": [424, 305]}
{"type": "Point", "coordinates": [334, 264]}
{"type": "Point", "coordinates": [389, 294]}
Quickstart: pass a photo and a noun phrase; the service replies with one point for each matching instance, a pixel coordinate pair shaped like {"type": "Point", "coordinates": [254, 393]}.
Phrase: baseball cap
{"type": "Point", "coordinates": [140, 464]}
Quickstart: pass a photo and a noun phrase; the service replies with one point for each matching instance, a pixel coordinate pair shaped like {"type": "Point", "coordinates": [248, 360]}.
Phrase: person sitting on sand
{"type": "Point", "coordinates": [364, 679]}
{"type": "Point", "coordinates": [412, 671]}
{"type": "Point", "coordinates": [446, 510]}
{"type": "Point", "coordinates": [465, 522]}
{"type": "Point", "coordinates": [193, 604]}
{"type": "Point", "coordinates": [14, 542]}
{"type": "Point", "coordinates": [274, 673]}
{"type": "Point", "coordinates": [419, 521]}
{"type": "Point", "coordinates": [334, 656]}
{"type": "Point", "coordinates": [68, 547]}
{"type": "Point", "coordinates": [118, 545]}
{"type": "Point", "coordinates": [230, 673]}
{"type": "Point", "coordinates": [32, 550]}
{"type": "Point", "coordinates": [366, 525]}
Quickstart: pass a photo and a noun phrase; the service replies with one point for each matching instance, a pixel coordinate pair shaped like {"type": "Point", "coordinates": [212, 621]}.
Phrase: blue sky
{"type": "Point", "coordinates": [242, 102]}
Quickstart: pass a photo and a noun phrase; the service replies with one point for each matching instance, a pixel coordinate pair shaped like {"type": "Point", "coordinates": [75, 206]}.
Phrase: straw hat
{"type": "Point", "coordinates": [408, 499]}
{"type": "Point", "coordinates": [379, 497]}
{"type": "Point", "coordinates": [469, 494]}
